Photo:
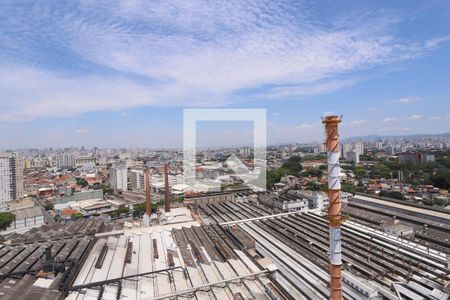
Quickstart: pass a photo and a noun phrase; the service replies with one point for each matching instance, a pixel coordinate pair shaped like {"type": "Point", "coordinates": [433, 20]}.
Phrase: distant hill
{"type": "Point", "coordinates": [387, 137]}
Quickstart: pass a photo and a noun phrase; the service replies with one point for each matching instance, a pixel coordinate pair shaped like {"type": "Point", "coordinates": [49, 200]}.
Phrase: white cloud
{"type": "Point", "coordinates": [394, 129]}
{"type": "Point", "coordinates": [372, 108]}
{"type": "Point", "coordinates": [391, 119]}
{"type": "Point", "coordinates": [42, 94]}
{"type": "Point", "coordinates": [433, 43]}
{"type": "Point", "coordinates": [300, 127]}
{"type": "Point", "coordinates": [357, 122]}
{"type": "Point", "coordinates": [435, 117]}
{"type": "Point", "coordinates": [408, 100]}
{"type": "Point", "coordinates": [415, 117]}
{"type": "Point", "coordinates": [187, 53]}
{"type": "Point", "coordinates": [82, 130]}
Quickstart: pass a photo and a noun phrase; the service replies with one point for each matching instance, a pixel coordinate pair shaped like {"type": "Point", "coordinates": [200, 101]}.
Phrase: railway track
{"type": "Point", "coordinates": [380, 259]}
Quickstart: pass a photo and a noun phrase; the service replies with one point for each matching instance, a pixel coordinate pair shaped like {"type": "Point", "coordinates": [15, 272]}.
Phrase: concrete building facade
{"type": "Point", "coordinates": [66, 160]}
{"type": "Point", "coordinates": [119, 178]}
{"type": "Point", "coordinates": [137, 180]}
{"type": "Point", "coordinates": [11, 179]}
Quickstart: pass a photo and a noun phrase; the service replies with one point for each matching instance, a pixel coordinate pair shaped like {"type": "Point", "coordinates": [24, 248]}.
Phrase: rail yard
{"type": "Point", "coordinates": [374, 263]}
{"type": "Point", "coordinates": [229, 250]}
{"type": "Point", "coordinates": [200, 262]}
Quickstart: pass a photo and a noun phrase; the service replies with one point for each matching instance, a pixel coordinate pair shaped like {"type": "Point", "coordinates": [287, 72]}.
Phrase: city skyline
{"type": "Point", "coordinates": [84, 74]}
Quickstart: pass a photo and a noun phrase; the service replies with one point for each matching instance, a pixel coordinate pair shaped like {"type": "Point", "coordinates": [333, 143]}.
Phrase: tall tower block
{"type": "Point", "coordinates": [334, 209]}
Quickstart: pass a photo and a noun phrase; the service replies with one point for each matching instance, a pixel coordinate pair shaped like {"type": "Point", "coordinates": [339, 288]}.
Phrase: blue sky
{"type": "Point", "coordinates": [119, 73]}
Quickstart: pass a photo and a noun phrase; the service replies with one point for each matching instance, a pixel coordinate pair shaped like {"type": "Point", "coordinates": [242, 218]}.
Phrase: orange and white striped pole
{"type": "Point", "coordinates": [334, 208]}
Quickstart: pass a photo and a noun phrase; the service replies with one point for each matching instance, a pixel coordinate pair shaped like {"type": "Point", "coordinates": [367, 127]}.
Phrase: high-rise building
{"type": "Point", "coordinates": [391, 150]}
{"type": "Point", "coordinates": [322, 148]}
{"type": "Point", "coordinates": [11, 179]}
{"type": "Point", "coordinates": [353, 156]}
{"type": "Point", "coordinates": [359, 147]}
{"type": "Point", "coordinates": [245, 151]}
{"type": "Point", "coordinates": [415, 158]}
{"type": "Point", "coordinates": [346, 148]}
{"type": "Point", "coordinates": [137, 180]}
{"type": "Point", "coordinates": [66, 160]}
{"type": "Point", "coordinates": [119, 178]}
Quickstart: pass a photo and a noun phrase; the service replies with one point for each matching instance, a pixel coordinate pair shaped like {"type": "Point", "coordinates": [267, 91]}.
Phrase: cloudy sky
{"type": "Point", "coordinates": [119, 73]}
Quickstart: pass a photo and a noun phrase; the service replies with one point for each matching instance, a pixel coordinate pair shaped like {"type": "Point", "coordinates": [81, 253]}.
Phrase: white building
{"type": "Point", "coordinates": [359, 148]}
{"type": "Point", "coordinates": [290, 203]}
{"type": "Point", "coordinates": [119, 178]}
{"type": "Point", "coordinates": [316, 200]}
{"type": "Point", "coordinates": [137, 180]}
{"type": "Point", "coordinates": [66, 160]}
{"type": "Point", "coordinates": [353, 157]}
{"type": "Point", "coordinates": [285, 202]}
{"type": "Point", "coordinates": [26, 215]}
{"type": "Point", "coordinates": [11, 179]}
{"type": "Point", "coordinates": [391, 150]}
{"type": "Point", "coordinates": [347, 148]}
{"type": "Point", "coordinates": [245, 151]}
{"type": "Point", "coordinates": [85, 160]}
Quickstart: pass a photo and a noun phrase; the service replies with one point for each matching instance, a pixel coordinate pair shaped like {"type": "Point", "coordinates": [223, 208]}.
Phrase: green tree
{"type": "Point", "coordinates": [360, 172]}
{"type": "Point", "coordinates": [293, 165]}
{"type": "Point", "coordinates": [274, 176]}
{"type": "Point", "coordinates": [392, 194]}
{"type": "Point", "coordinates": [107, 189]}
{"type": "Point", "coordinates": [314, 186]}
{"type": "Point", "coordinates": [82, 182]}
{"type": "Point", "coordinates": [6, 218]}
{"type": "Point", "coordinates": [76, 216]}
{"type": "Point", "coordinates": [121, 210]}
{"type": "Point", "coordinates": [49, 206]}
{"type": "Point", "coordinates": [439, 201]}
{"type": "Point", "coordinates": [441, 179]}
{"type": "Point", "coordinates": [314, 172]}
{"type": "Point", "coordinates": [138, 210]}
{"type": "Point", "coordinates": [348, 188]}
{"type": "Point", "coordinates": [382, 170]}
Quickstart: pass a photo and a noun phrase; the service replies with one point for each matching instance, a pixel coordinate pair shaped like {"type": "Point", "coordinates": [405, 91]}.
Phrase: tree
{"type": "Point", "coordinates": [314, 186]}
{"type": "Point", "coordinates": [107, 190]}
{"type": "Point", "coordinates": [392, 194]}
{"type": "Point", "coordinates": [76, 216]}
{"type": "Point", "coordinates": [6, 218]}
{"type": "Point", "coordinates": [441, 179]}
{"type": "Point", "coordinates": [293, 165]}
{"type": "Point", "coordinates": [82, 182]}
{"type": "Point", "coordinates": [360, 172]}
{"type": "Point", "coordinates": [345, 187]}
{"type": "Point", "coordinates": [138, 210]}
{"type": "Point", "coordinates": [382, 170]}
{"type": "Point", "coordinates": [314, 172]}
{"type": "Point", "coordinates": [49, 206]}
{"type": "Point", "coordinates": [121, 210]}
{"type": "Point", "coordinates": [439, 201]}
{"type": "Point", "coordinates": [274, 176]}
